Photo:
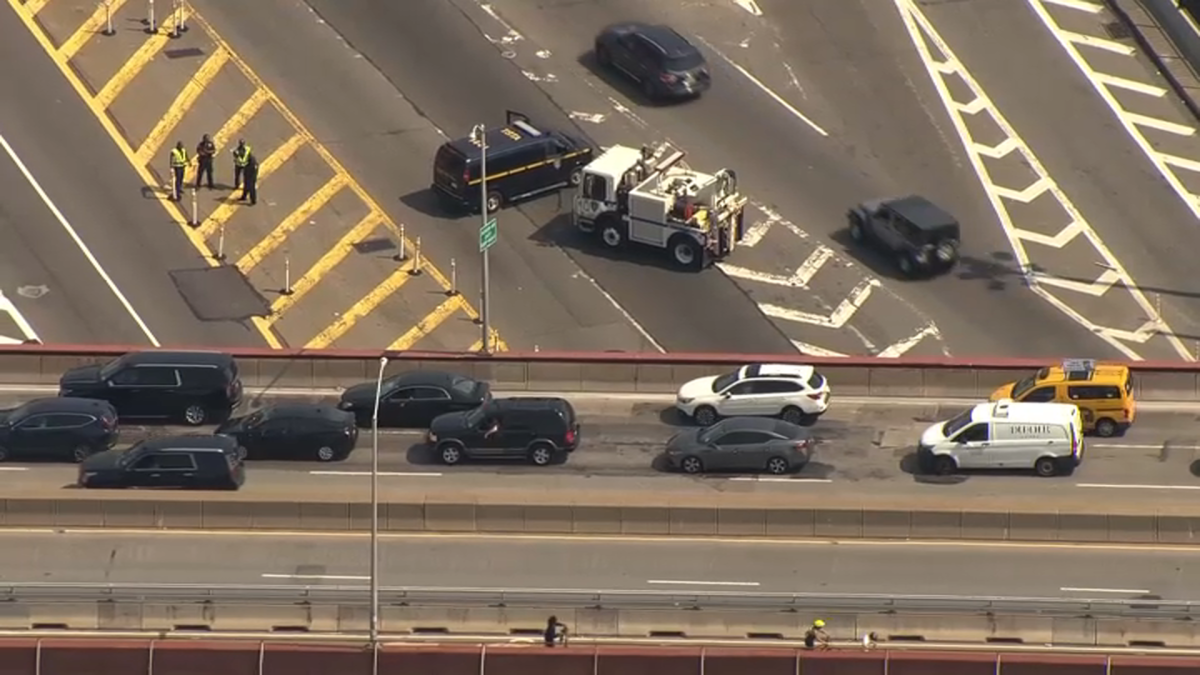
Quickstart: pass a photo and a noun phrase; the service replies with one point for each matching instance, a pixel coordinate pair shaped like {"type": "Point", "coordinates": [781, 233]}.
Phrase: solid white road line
{"type": "Point", "coordinates": [404, 474]}
{"type": "Point", "coordinates": [1089, 7]}
{"type": "Point", "coordinates": [1114, 486]}
{"type": "Point", "coordinates": [1123, 591]}
{"type": "Point", "coordinates": [317, 577]}
{"type": "Point", "coordinates": [768, 479]}
{"type": "Point", "coordinates": [1147, 446]}
{"type": "Point", "coordinates": [87, 253]}
{"type": "Point", "coordinates": [13, 468]}
{"type": "Point", "coordinates": [675, 582]}
{"type": "Point", "coordinates": [27, 331]}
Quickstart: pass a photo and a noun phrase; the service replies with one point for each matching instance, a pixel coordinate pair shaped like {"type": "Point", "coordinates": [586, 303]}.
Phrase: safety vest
{"type": "Point", "coordinates": [178, 157]}
{"type": "Point", "coordinates": [240, 157]}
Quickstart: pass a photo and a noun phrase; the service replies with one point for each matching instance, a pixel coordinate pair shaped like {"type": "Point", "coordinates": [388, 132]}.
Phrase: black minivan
{"type": "Point", "coordinates": [540, 429]}
{"type": "Point", "coordinates": [294, 431]}
{"type": "Point", "coordinates": [192, 387]}
{"type": "Point", "coordinates": [180, 462]}
{"type": "Point", "coordinates": [522, 161]}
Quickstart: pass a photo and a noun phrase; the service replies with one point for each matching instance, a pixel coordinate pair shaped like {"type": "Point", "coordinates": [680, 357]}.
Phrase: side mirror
{"type": "Point", "coordinates": [727, 395]}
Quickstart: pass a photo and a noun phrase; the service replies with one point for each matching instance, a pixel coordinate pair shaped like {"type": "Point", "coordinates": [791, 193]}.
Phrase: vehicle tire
{"type": "Point", "coordinates": [858, 230]}
{"type": "Point", "coordinates": [326, 454]}
{"type": "Point", "coordinates": [1046, 467]}
{"type": "Point", "coordinates": [686, 252]}
{"type": "Point", "coordinates": [1106, 428]}
{"type": "Point", "coordinates": [81, 453]}
{"type": "Point", "coordinates": [243, 453]}
{"type": "Point", "coordinates": [541, 454]}
{"type": "Point", "coordinates": [612, 232]}
{"type": "Point", "coordinates": [944, 465]}
{"type": "Point", "coordinates": [495, 200]}
{"type": "Point", "coordinates": [907, 267]}
{"type": "Point", "coordinates": [947, 254]}
{"type": "Point", "coordinates": [794, 415]}
{"type": "Point", "coordinates": [777, 466]}
{"type": "Point", "coordinates": [705, 416]}
{"type": "Point", "coordinates": [576, 176]}
{"type": "Point", "coordinates": [451, 453]}
{"type": "Point", "coordinates": [602, 56]}
{"type": "Point", "coordinates": [691, 464]}
{"type": "Point", "coordinates": [194, 415]}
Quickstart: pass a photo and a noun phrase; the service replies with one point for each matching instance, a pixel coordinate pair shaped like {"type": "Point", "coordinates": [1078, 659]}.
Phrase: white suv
{"type": "Point", "coordinates": [797, 394]}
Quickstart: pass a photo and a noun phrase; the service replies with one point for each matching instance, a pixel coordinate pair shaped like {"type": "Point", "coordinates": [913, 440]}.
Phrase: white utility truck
{"type": "Point", "coordinates": [649, 196]}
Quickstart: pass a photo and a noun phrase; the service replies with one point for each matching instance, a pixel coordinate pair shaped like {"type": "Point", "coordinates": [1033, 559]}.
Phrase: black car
{"type": "Point", "coordinates": [294, 431]}
{"type": "Point", "coordinates": [522, 161]}
{"type": "Point", "coordinates": [533, 428]}
{"type": "Point", "coordinates": [660, 60]}
{"type": "Point", "coordinates": [414, 398]}
{"type": "Point", "coordinates": [181, 462]}
{"type": "Point", "coordinates": [919, 235]}
{"type": "Point", "coordinates": [741, 444]}
{"type": "Point", "coordinates": [173, 386]}
{"type": "Point", "coordinates": [57, 428]}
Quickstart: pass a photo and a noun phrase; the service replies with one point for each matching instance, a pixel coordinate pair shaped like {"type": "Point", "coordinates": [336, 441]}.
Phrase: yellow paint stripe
{"type": "Point", "coordinates": [361, 308]}
{"type": "Point", "coordinates": [225, 211]}
{"type": "Point", "coordinates": [183, 102]}
{"type": "Point", "coordinates": [35, 6]}
{"type": "Point", "coordinates": [498, 345]}
{"type": "Point", "coordinates": [429, 324]}
{"type": "Point", "coordinates": [136, 63]}
{"type": "Point", "coordinates": [327, 262]}
{"type": "Point", "coordinates": [240, 118]}
{"type": "Point", "coordinates": [93, 25]}
{"type": "Point", "coordinates": [294, 220]}
{"type": "Point", "coordinates": [123, 146]}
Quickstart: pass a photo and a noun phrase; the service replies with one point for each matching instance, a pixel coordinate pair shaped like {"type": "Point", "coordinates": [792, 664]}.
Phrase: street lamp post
{"type": "Point", "coordinates": [374, 572]}
{"type": "Point", "coordinates": [479, 135]}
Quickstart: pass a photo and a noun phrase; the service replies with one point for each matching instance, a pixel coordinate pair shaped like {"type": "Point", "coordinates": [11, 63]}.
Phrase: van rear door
{"type": "Point", "coordinates": [450, 171]}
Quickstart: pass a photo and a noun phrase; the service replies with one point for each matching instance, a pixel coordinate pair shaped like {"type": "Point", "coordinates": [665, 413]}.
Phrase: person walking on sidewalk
{"type": "Point", "coordinates": [179, 162]}
{"type": "Point", "coordinates": [205, 150]}
{"type": "Point", "coordinates": [250, 175]}
{"type": "Point", "coordinates": [241, 155]}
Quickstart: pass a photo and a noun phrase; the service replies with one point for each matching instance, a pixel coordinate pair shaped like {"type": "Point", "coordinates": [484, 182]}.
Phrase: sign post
{"type": "Point", "coordinates": [487, 236]}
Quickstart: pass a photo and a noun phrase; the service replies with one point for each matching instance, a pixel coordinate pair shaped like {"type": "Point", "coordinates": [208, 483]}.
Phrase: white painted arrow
{"type": "Point", "coordinates": [798, 279]}
{"type": "Point", "coordinates": [836, 319]}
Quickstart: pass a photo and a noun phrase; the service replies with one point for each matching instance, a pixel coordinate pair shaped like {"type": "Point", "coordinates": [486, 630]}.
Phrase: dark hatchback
{"type": "Point", "coordinates": [751, 444]}
{"type": "Point", "coordinates": [192, 387]}
{"type": "Point", "coordinates": [539, 429]}
{"type": "Point", "coordinates": [57, 428]}
{"type": "Point", "coordinates": [414, 398]}
{"type": "Point", "coordinates": [659, 59]}
{"type": "Point", "coordinates": [294, 431]}
{"type": "Point", "coordinates": [178, 462]}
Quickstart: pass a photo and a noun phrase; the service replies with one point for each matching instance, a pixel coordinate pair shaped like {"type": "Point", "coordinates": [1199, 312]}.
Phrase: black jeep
{"type": "Point", "coordinates": [921, 237]}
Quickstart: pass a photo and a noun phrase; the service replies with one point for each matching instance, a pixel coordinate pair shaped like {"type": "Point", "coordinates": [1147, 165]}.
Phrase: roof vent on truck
{"type": "Point", "coordinates": [1002, 407]}
{"type": "Point", "coordinates": [520, 122]}
{"type": "Point", "coordinates": [1078, 369]}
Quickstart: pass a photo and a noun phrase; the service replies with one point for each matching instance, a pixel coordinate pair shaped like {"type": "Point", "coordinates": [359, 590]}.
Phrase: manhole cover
{"type": "Point", "coordinates": [1117, 30]}
{"type": "Point", "coordinates": [32, 292]}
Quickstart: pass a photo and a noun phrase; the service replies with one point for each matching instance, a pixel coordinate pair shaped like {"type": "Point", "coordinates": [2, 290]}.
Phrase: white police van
{"type": "Point", "coordinates": [1045, 437]}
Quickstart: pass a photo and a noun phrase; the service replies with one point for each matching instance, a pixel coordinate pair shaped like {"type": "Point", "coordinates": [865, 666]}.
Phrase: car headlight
{"type": "Point", "coordinates": [345, 405]}
{"type": "Point", "coordinates": [432, 437]}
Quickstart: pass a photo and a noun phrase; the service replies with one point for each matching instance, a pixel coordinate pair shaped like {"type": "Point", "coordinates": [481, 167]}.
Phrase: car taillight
{"type": "Point", "coordinates": [669, 78]}
{"type": "Point", "coordinates": [816, 397]}
{"type": "Point", "coordinates": [570, 438]}
{"type": "Point", "coordinates": [466, 177]}
{"type": "Point", "coordinates": [800, 445]}
{"type": "Point", "coordinates": [108, 423]}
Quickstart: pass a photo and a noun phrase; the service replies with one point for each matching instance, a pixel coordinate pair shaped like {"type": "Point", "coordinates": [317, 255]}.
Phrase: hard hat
{"type": "Point", "coordinates": [819, 623]}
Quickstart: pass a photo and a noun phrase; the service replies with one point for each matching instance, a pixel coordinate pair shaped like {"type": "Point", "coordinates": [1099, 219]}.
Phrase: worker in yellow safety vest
{"type": "Point", "coordinates": [241, 157]}
{"type": "Point", "coordinates": [179, 162]}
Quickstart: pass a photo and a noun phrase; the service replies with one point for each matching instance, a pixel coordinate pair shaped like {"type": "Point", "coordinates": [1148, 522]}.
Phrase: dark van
{"type": "Point", "coordinates": [180, 462]}
{"type": "Point", "coordinates": [522, 161]}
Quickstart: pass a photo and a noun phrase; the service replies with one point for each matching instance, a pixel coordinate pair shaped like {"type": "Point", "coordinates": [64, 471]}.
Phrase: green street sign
{"type": "Point", "coordinates": [487, 235]}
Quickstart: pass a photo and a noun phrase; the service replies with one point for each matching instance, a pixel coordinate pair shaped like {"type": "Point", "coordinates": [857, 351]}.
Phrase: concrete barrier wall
{"type": "Point", "coordinates": [130, 657]}
{"type": "Point", "coordinates": [617, 372]}
{"type": "Point", "coordinates": [842, 523]}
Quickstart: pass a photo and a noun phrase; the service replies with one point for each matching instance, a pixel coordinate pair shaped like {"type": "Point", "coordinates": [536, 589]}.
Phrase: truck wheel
{"type": "Point", "coordinates": [612, 232]}
{"type": "Point", "coordinates": [686, 252]}
{"type": "Point", "coordinates": [857, 231]}
{"type": "Point", "coordinates": [1046, 467]}
{"type": "Point", "coordinates": [1106, 428]}
{"type": "Point", "coordinates": [576, 176]}
{"type": "Point", "coordinates": [944, 466]}
{"type": "Point", "coordinates": [494, 201]}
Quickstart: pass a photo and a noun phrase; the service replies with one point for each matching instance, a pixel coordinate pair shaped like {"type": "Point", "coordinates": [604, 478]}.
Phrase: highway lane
{"type": "Point", "coordinates": [610, 564]}
{"type": "Point", "coordinates": [66, 150]}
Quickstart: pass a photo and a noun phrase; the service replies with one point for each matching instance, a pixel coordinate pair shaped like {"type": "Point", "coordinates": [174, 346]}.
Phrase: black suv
{"type": "Point", "coordinates": [57, 428]}
{"type": "Point", "coordinates": [537, 429]}
{"type": "Point", "coordinates": [190, 387]}
{"type": "Point", "coordinates": [921, 237]}
{"type": "Point", "coordinates": [659, 59]}
{"type": "Point", "coordinates": [294, 431]}
{"type": "Point", "coordinates": [522, 161]}
{"type": "Point", "coordinates": [182, 462]}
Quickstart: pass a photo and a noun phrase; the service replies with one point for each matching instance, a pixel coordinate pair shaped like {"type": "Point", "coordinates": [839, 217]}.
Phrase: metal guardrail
{"type": "Point", "coordinates": [1100, 608]}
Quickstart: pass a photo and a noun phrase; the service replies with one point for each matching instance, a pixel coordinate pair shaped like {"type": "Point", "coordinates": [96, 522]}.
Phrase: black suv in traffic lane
{"type": "Point", "coordinates": [180, 462]}
{"type": "Point", "coordinates": [171, 386]}
{"type": "Point", "coordinates": [919, 235]}
{"type": "Point", "coordinates": [659, 59]}
{"type": "Point", "coordinates": [57, 428]}
{"type": "Point", "coordinates": [537, 429]}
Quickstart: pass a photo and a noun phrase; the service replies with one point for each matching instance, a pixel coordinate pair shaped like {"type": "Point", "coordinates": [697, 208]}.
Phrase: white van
{"type": "Point", "coordinates": [1045, 437]}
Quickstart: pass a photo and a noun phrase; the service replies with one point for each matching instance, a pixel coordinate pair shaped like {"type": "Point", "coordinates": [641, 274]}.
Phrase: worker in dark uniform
{"type": "Point", "coordinates": [179, 162]}
{"type": "Point", "coordinates": [205, 150]}
{"type": "Point", "coordinates": [250, 174]}
{"type": "Point", "coordinates": [241, 155]}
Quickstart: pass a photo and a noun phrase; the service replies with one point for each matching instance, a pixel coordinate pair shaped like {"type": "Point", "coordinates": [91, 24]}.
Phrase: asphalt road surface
{"type": "Point", "coordinates": [611, 564]}
{"type": "Point", "coordinates": [44, 272]}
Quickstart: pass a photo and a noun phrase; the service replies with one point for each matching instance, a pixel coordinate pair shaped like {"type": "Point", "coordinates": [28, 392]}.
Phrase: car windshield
{"type": "Point", "coordinates": [1023, 386]}
{"type": "Point", "coordinates": [255, 418]}
{"type": "Point", "coordinates": [130, 455]}
{"type": "Point", "coordinates": [464, 386]}
{"type": "Point", "coordinates": [712, 432]}
{"type": "Point", "coordinates": [684, 61]}
{"type": "Point", "coordinates": [109, 369]}
{"type": "Point", "coordinates": [956, 424]}
{"type": "Point", "coordinates": [476, 416]}
{"type": "Point", "coordinates": [724, 381]}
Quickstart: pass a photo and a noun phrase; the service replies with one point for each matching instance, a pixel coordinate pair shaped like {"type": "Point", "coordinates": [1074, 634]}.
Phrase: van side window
{"type": "Point", "coordinates": [974, 434]}
{"type": "Point", "coordinates": [1040, 395]}
{"type": "Point", "coordinates": [595, 187]}
{"type": "Point", "coordinates": [1093, 392]}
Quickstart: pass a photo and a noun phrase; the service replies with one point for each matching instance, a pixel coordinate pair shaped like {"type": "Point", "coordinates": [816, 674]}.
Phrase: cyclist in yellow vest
{"type": "Point", "coordinates": [241, 157]}
{"type": "Point", "coordinates": [179, 162]}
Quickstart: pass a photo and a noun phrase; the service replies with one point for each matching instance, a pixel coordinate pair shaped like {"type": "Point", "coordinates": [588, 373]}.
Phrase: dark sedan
{"type": "Point", "coordinates": [294, 431]}
{"type": "Point", "coordinates": [751, 444]}
{"type": "Point", "coordinates": [660, 60]}
{"type": "Point", "coordinates": [414, 398]}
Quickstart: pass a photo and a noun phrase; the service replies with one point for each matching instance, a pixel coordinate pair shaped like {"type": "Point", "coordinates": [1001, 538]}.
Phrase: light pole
{"type": "Point", "coordinates": [479, 136]}
{"type": "Point", "coordinates": [374, 573]}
